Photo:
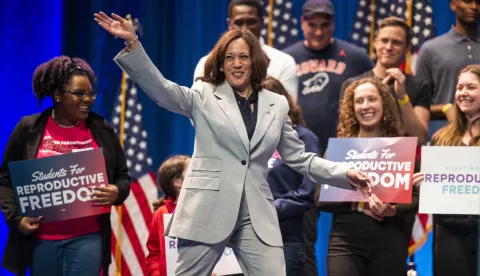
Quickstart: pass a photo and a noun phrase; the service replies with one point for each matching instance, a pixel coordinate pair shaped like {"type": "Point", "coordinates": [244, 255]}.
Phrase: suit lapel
{"type": "Point", "coordinates": [264, 118]}
{"type": "Point", "coordinates": [229, 106]}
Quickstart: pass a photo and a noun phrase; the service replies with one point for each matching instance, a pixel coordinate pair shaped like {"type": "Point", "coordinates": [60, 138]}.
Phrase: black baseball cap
{"type": "Point", "coordinates": [312, 7]}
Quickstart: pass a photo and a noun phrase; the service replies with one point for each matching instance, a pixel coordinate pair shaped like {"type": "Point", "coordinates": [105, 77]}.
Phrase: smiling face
{"type": "Point", "coordinates": [74, 107]}
{"type": "Point", "coordinates": [467, 95]}
{"type": "Point", "coordinates": [318, 31]}
{"type": "Point", "coordinates": [391, 46]}
{"type": "Point", "coordinates": [237, 65]}
{"type": "Point", "coordinates": [368, 107]}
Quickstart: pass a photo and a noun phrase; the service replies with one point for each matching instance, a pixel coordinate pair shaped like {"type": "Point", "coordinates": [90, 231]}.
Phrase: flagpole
{"type": "Point", "coordinates": [270, 20]}
{"type": "Point", "coordinates": [118, 245]}
{"type": "Point", "coordinates": [371, 49]}
{"type": "Point", "coordinates": [409, 52]}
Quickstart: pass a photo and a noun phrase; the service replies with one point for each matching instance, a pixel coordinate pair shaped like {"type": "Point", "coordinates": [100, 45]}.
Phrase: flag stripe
{"type": "Point", "coordinates": [149, 186]}
{"type": "Point", "coordinates": [137, 209]}
{"type": "Point", "coordinates": [113, 266]}
{"type": "Point", "coordinates": [133, 256]}
{"type": "Point", "coordinates": [133, 239]}
{"type": "Point", "coordinates": [139, 203]}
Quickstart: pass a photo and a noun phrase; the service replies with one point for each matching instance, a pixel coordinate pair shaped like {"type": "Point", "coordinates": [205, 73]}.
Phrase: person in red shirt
{"type": "Point", "coordinates": [79, 246]}
{"type": "Point", "coordinates": [170, 179]}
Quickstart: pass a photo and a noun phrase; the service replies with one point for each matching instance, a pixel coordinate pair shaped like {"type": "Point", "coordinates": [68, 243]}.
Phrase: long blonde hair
{"type": "Point", "coordinates": [452, 134]}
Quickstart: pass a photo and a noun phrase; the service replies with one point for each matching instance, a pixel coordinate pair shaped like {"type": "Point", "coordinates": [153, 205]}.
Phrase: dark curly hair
{"type": "Point", "coordinates": [348, 126]}
{"type": "Point", "coordinates": [169, 171]}
{"type": "Point", "coordinates": [52, 75]}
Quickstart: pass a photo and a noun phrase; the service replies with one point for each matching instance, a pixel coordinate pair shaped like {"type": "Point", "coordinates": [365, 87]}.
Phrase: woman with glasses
{"type": "Point", "coordinates": [78, 246]}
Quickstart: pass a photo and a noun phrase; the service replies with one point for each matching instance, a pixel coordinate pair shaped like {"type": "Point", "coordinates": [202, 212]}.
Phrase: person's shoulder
{"type": "Point", "coordinates": [278, 55]}
{"type": "Point", "coordinates": [306, 134]}
{"type": "Point", "coordinates": [432, 44]}
{"type": "Point", "coordinates": [29, 120]}
{"type": "Point", "coordinates": [162, 210]}
{"type": "Point", "coordinates": [294, 48]}
{"type": "Point", "coordinates": [203, 59]}
{"type": "Point", "coordinates": [417, 85]}
{"type": "Point", "coordinates": [350, 80]}
{"type": "Point", "coordinates": [201, 86]}
{"type": "Point", "coordinates": [33, 120]}
{"type": "Point", "coordinates": [99, 121]}
{"type": "Point", "coordinates": [367, 74]}
{"type": "Point", "coordinates": [416, 81]}
{"type": "Point", "coordinates": [349, 46]}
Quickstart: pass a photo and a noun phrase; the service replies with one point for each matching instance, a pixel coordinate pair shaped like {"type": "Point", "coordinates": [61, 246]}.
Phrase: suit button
{"type": "Point", "coordinates": [244, 162]}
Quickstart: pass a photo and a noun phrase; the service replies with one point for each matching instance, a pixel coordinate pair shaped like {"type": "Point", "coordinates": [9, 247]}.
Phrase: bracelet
{"type": "Point", "coordinates": [446, 107]}
{"type": "Point", "coordinates": [405, 100]}
{"type": "Point", "coordinates": [360, 206]}
{"type": "Point", "coordinates": [130, 44]}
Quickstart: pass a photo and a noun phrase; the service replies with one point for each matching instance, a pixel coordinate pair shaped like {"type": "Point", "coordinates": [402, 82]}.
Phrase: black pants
{"type": "Point", "coordinates": [367, 250]}
{"type": "Point", "coordinates": [455, 250]}
{"type": "Point", "coordinates": [310, 237]}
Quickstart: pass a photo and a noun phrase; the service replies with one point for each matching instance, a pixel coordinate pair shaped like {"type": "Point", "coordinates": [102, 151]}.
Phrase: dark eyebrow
{"type": "Point", "coordinates": [242, 53]}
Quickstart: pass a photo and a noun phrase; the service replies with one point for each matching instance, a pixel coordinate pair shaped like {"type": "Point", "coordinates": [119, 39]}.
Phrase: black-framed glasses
{"type": "Point", "coordinates": [82, 93]}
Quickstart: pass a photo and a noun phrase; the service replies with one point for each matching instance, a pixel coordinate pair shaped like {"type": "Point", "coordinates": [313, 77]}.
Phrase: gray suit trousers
{"type": "Point", "coordinates": [254, 256]}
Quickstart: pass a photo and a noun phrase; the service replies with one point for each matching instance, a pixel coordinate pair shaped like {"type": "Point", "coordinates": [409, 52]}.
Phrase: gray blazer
{"type": "Point", "coordinates": [224, 162]}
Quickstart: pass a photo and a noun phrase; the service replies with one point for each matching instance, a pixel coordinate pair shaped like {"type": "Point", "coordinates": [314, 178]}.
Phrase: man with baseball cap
{"type": "Point", "coordinates": [323, 63]}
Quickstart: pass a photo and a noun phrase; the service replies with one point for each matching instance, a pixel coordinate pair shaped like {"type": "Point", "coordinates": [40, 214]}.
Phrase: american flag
{"type": "Point", "coordinates": [362, 33]}
{"type": "Point", "coordinates": [280, 24]}
{"type": "Point", "coordinates": [418, 14]}
{"type": "Point", "coordinates": [130, 230]}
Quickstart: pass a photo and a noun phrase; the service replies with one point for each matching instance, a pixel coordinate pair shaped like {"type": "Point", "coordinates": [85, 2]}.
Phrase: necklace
{"type": "Point", "coordinates": [60, 125]}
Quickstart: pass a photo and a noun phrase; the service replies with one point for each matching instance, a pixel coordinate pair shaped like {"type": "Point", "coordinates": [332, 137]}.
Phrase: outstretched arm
{"type": "Point", "coordinates": [135, 62]}
{"type": "Point", "coordinates": [319, 170]}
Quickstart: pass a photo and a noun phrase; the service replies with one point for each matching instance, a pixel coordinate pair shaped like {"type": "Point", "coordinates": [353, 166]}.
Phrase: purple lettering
{"type": "Point", "coordinates": [173, 245]}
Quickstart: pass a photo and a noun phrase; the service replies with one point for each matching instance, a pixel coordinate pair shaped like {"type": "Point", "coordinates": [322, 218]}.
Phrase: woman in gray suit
{"type": "Point", "coordinates": [225, 199]}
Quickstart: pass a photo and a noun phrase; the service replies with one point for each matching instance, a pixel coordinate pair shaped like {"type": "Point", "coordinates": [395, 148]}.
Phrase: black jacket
{"type": "Point", "coordinates": [23, 144]}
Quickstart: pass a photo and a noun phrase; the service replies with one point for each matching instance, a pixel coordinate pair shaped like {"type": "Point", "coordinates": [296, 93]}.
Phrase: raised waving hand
{"type": "Point", "coordinates": [116, 25]}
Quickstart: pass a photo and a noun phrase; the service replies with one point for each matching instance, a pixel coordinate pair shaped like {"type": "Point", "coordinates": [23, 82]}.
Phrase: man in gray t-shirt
{"type": "Point", "coordinates": [441, 59]}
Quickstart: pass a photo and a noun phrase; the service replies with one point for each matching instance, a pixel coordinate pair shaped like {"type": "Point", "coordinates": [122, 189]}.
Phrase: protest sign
{"type": "Point", "coordinates": [388, 161]}
{"type": "Point", "coordinates": [451, 183]}
{"type": "Point", "coordinates": [59, 187]}
{"type": "Point", "coordinates": [227, 264]}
